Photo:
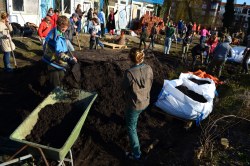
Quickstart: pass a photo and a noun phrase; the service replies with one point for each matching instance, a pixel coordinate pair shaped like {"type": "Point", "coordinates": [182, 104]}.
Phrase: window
{"type": "Point", "coordinates": [17, 5]}
{"type": "Point", "coordinates": [244, 11]}
{"type": "Point", "coordinates": [67, 6]}
{"type": "Point", "coordinates": [214, 6]}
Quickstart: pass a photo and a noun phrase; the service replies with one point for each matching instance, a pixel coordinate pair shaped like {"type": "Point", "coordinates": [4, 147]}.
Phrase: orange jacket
{"type": "Point", "coordinates": [203, 74]}
{"type": "Point", "coordinates": [44, 29]}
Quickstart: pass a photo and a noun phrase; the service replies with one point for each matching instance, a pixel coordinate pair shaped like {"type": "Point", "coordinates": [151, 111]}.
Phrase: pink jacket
{"type": "Point", "coordinates": [204, 32]}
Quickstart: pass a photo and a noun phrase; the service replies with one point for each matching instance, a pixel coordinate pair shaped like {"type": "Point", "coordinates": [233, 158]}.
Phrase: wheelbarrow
{"type": "Point", "coordinates": [84, 100]}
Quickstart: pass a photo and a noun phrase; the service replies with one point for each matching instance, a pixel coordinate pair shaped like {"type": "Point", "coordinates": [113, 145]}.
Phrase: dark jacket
{"type": "Point", "coordinates": [89, 15]}
{"type": "Point", "coordinates": [70, 31]}
{"type": "Point", "coordinates": [79, 12]}
{"type": "Point", "coordinates": [137, 85]}
{"type": "Point", "coordinates": [153, 32]}
{"type": "Point", "coordinates": [111, 22]}
{"type": "Point", "coordinates": [222, 51]}
{"type": "Point", "coordinates": [187, 40]}
{"type": "Point", "coordinates": [198, 49]}
{"type": "Point", "coordinates": [144, 33]}
{"type": "Point", "coordinates": [248, 41]}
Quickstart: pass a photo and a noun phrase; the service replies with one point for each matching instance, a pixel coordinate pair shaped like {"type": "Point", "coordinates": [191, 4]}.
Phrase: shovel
{"type": "Point", "coordinates": [12, 52]}
{"type": "Point", "coordinates": [78, 40]}
{"type": "Point", "coordinates": [75, 69]}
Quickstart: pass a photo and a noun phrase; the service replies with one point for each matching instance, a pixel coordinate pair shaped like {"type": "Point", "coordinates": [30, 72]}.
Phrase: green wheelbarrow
{"type": "Point", "coordinates": [84, 100]}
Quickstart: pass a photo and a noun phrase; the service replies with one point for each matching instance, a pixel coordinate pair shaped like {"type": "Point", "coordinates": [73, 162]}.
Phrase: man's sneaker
{"type": "Point", "coordinates": [131, 156]}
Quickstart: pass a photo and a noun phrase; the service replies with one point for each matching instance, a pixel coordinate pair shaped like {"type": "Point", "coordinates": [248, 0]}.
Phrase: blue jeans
{"type": "Point", "coordinates": [152, 42]}
{"type": "Point", "coordinates": [79, 26]}
{"type": "Point", "coordinates": [6, 60]}
{"type": "Point", "coordinates": [167, 47]}
{"type": "Point", "coordinates": [202, 40]}
{"type": "Point", "coordinates": [99, 42]}
{"type": "Point", "coordinates": [131, 124]}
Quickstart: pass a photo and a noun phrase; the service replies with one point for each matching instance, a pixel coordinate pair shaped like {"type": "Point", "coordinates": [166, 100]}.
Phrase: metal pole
{"type": "Point", "coordinates": [130, 21]}
{"type": "Point", "coordinates": [16, 160]}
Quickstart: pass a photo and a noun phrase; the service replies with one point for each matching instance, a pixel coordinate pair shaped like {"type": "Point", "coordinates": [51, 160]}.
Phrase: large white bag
{"type": "Point", "coordinates": [206, 90]}
{"type": "Point", "coordinates": [176, 103]}
{"type": "Point", "coordinates": [237, 54]}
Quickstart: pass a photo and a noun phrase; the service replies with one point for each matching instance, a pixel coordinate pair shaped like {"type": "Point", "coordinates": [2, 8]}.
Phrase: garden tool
{"type": "Point", "coordinates": [79, 45]}
{"type": "Point", "coordinates": [12, 52]}
{"type": "Point", "coordinates": [75, 69]}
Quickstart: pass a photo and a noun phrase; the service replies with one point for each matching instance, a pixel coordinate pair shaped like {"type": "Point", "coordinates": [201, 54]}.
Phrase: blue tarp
{"type": "Point", "coordinates": [151, 1]}
{"type": "Point", "coordinates": [101, 4]}
{"type": "Point", "coordinates": [45, 5]}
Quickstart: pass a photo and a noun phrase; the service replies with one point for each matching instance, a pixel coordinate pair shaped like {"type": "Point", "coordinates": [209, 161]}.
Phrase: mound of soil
{"type": "Point", "coordinates": [199, 82]}
{"type": "Point", "coordinates": [193, 95]}
{"type": "Point", "coordinates": [104, 139]}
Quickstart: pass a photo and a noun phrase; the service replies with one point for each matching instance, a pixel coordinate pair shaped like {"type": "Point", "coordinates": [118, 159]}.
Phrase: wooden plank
{"type": "Point", "coordinates": [114, 46]}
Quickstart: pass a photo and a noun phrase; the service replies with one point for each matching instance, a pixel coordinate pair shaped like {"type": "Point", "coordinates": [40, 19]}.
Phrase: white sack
{"type": "Point", "coordinates": [176, 103]}
{"type": "Point", "coordinates": [206, 90]}
{"type": "Point", "coordinates": [237, 54]}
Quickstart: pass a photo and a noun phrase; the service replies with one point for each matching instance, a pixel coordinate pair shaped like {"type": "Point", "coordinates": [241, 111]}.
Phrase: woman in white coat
{"type": "Point", "coordinates": [5, 40]}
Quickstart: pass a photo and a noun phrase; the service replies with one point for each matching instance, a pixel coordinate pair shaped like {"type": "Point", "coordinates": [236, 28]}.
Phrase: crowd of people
{"type": "Point", "coordinates": [213, 45]}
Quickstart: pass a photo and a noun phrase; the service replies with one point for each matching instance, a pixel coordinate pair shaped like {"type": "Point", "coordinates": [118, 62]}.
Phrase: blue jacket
{"type": "Point", "coordinates": [222, 51]}
{"type": "Point", "coordinates": [101, 16]}
{"type": "Point", "coordinates": [55, 49]}
{"type": "Point", "coordinates": [57, 41]}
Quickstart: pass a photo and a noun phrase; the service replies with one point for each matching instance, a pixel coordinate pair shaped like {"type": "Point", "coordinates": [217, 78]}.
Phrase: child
{"type": "Point", "coordinates": [143, 36]}
{"type": "Point", "coordinates": [55, 52]}
{"type": "Point", "coordinates": [152, 35]}
{"type": "Point", "coordinates": [185, 46]}
{"type": "Point", "coordinates": [197, 50]}
{"type": "Point", "coordinates": [94, 35]}
{"type": "Point", "coordinates": [121, 40]}
{"type": "Point", "coordinates": [211, 44]}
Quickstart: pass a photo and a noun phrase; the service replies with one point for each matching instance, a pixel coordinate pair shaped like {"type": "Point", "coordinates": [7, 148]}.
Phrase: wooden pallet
{"type": "Point", "coordinates": [114, 46]}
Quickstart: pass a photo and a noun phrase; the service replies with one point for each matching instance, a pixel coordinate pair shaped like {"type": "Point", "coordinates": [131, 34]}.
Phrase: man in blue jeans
{"type": "Point", "coordinates": [170, 31]}
{"type": "Point", "coordinates": [137, 85]}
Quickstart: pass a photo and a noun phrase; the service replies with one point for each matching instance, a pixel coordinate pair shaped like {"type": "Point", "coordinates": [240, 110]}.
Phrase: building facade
{"type": "Point", "coordinates": [241, 13]}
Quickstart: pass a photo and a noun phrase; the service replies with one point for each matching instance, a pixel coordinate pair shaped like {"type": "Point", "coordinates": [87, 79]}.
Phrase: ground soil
{"type": "Point", "coordinates": [103, 139]}
{"type": "Point", "coordinates": [199, 82]}
{"type": "Point", "coordinates": [193, 95]}
{"type": "Point", "coordinates": [55, 120]}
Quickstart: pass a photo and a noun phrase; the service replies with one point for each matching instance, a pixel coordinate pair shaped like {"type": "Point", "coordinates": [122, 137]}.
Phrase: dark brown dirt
{"type": "Point", "coordinates": [103, 139]}
{"type": "Point", "coordinates": [199, 82]}
{"type": "Point", "coordinates": [55, 124]}
{"type": "Point", "coordinates": [193, 95]}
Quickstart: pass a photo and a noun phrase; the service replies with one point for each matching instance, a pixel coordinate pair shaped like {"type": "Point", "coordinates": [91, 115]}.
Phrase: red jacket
{"type": "Point", "coordinates": [44, 29]}
{"type": "Point", "coordinates": [212, 44]}
{"type": "Point", "coordinates": [54, 19]}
